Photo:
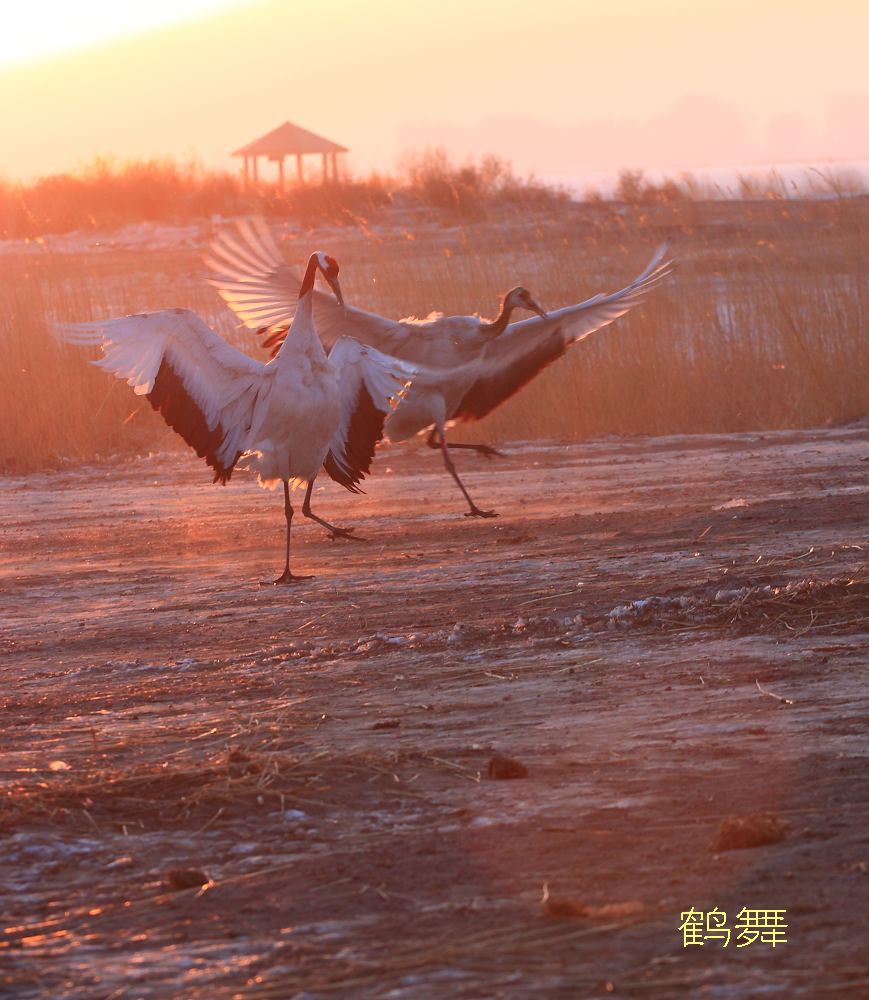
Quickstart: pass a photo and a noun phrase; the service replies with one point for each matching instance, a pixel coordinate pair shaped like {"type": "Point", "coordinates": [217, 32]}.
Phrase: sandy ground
{"type": "Point", "coordinates": [664, 634]}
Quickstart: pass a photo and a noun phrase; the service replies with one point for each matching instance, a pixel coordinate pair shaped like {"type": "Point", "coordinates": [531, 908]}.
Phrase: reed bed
{"type": "Point", "coordinates": [763, 326]}
{"type": "Point", "coordinates": [108, 192]}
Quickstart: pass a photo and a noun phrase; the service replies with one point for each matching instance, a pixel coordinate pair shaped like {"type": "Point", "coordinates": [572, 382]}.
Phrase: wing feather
{"type": "Point", "coordinates": [204, 388]}
{"type": "Point", "coordinates": [372, 384]}
{"type": "Point", "coordinates": [252, 278]}
{"type": "Point", "coordinates": [510, 361]}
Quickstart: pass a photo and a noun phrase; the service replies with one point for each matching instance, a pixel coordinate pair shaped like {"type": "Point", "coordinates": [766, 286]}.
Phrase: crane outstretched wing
{"type": "Point", "coordinates": [253, 280]}
{"type": "Point", "coordinates": [251, 277]}
{"type": "Point", "coordinates": [372, 384]}
{"type": "Point", "coordinates": [510, 361]}
{"type": "Point", "coordinates": [205, 389]}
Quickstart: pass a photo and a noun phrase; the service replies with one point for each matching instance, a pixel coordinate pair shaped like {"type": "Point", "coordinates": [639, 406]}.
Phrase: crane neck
{"type": "Point", "coordinates": [302, 332]}
{"type": "Point", "coordinates": [309, 278]}
{"type": "Point", "coordinates": [495, 327]}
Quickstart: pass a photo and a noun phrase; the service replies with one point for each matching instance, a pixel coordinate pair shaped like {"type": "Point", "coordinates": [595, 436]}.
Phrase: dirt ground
{"type": "Point", "coordinates": [215, 788]}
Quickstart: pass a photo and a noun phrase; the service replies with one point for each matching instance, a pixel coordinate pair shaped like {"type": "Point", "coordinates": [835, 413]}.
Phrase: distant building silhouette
{"type": "Point", "coordinates": [290, 140]}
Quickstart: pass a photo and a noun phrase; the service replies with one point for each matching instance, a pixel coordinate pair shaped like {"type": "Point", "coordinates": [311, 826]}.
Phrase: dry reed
{"type": "Point", "coordinates": [763, 325]}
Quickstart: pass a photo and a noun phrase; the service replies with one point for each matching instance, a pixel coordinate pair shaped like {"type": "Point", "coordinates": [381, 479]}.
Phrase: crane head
{"type": "Point", "coordinates": [520, 298]}
{"type": "Point", "coordinates": [329, 269]}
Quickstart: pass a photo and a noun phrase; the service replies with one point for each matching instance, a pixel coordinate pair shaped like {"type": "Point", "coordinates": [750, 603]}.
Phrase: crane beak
{"type": "Point", "coordinates": [336, 288]}
{"type": "Point", "coordinates": [538, 309]}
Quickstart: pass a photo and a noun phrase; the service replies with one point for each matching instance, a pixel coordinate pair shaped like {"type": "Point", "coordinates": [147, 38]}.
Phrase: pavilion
{"type": "Point", "coordinates": [290, 140]}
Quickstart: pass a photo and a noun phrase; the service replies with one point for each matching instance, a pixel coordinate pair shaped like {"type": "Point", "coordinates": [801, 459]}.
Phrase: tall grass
{"type": "Point", "coordinates": [764, 325]}
{"type": "Point", "coordinates": [109, 193]}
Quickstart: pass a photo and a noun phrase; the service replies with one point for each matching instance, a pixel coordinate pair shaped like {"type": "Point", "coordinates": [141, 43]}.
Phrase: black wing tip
{"type": "Point", "coordinates": [350, 481]}
{"type": "Point", "coordinates": [364, 431]}
{"type": "Point", "coordinates": [172, 401]}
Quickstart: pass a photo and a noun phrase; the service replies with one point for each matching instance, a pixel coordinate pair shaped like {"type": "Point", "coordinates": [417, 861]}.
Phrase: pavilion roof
{"type": "Point", "coordinates": [288, 140]}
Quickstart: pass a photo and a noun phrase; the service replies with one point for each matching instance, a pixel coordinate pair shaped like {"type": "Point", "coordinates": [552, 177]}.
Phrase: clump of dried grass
{"type": "Point", "coordinates": [108, 193]}
{"type": "Point", "coordinates": [797, 605]}
{"type": "Point", "coordinates": [201, 786]}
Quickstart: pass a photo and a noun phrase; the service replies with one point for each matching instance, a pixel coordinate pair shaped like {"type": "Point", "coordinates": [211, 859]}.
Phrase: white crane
{"type": "Point", "coordinates": [283, 419]}
{"type": "Point", "coordinates": [471, 366]}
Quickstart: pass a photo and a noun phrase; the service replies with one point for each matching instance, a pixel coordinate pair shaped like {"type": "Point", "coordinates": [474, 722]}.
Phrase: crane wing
{"type": "Point", "coordinates": [205, 389]}
{"type": "Point", "coordinates": [372, 384]}
{"type": "Point", "coordinates": [250, 275]}
{"type": "Point", "coordinates": [510, 361]}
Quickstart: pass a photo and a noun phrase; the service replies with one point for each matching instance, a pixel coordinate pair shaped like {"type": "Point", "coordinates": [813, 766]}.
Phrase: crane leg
{"type": "Point", "coordinates": [474, 511]}
{"type": "Point", "coordinates": [335, 532]}
{"type": "Point", "coordinates": [435, 437]}
{"type": "Point", "coordinates": [287, 576]}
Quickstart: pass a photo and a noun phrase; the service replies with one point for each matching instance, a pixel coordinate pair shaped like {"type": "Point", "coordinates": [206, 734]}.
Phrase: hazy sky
{"type": "Point", "coordinates": [552, 86]}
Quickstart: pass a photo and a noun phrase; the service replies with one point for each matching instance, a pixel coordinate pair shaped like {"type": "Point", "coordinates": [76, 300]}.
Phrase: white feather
{"type": "Point", "coordinates": [385, 379]}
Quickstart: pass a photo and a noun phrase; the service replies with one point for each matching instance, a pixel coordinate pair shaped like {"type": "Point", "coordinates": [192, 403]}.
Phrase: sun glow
{"type": "Point", "coordinates": [41, 29]}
